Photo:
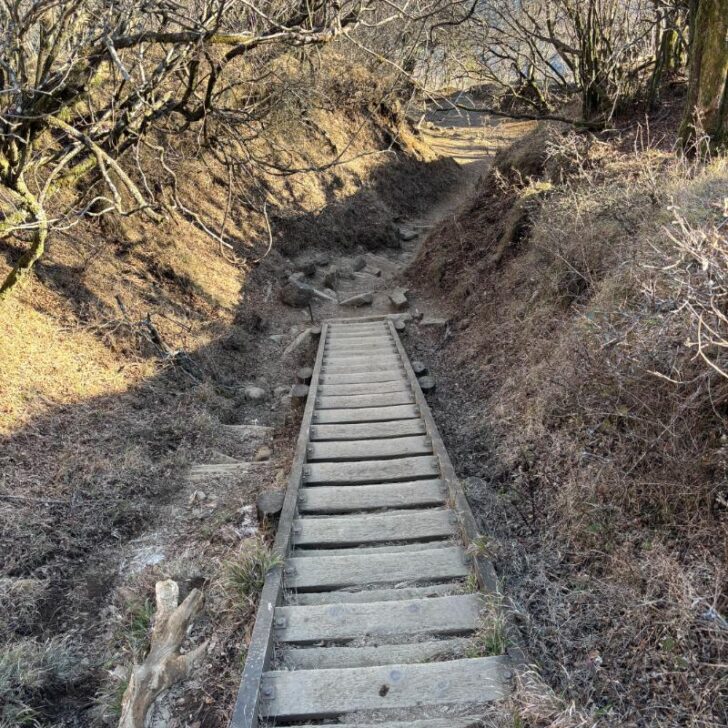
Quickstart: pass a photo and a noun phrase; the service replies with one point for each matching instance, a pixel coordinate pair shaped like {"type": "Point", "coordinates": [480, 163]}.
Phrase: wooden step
{"type": "Point", "coordinates": [369, 449]}
{"type": "Point", "coordinates": [320, 573]}
{"type": "Point", "coordinates": [472, 721]}
{"type": "Point", "coordinates": [368, 431]}
{"type": "Point", "coordinates": [309, 694]}
{"type": "Point", "coordinates": [395, 385]}
{"type": "Point", "coordinates": [417, 525]}
{"type": "Point", "coordinates": [365, 414]}
{"type": "Point", "coordinates": [351, 498]}
{"type": "Point", "coordinates": [372, 471]}
{"type": "Point", "coordinates": [348, 377]}
{"type": "Point", "coordinates": [344, 596]}
{"type": "Point", "coordinates": [340, 367]}
{"type": "Point", "coordinates": [364, 400]}
{"type": "Point", "coordinates": [358, 342]}
{"type": "Point", "coordinates": [388, 548]}
{"type": "Point", "coordinates": [321, 658]}
{"type": "Point", "coordinates": [454, 615]}
{"type": "Point", "coordinates": [363, 357]}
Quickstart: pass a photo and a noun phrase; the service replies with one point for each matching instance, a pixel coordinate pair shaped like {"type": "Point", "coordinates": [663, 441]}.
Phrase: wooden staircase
{"type": "Point", "coordinates": [370, 618]}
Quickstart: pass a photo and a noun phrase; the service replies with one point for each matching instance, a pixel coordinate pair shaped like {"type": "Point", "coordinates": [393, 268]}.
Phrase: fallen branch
{"type": "Point", "coordinates": [164, 665]}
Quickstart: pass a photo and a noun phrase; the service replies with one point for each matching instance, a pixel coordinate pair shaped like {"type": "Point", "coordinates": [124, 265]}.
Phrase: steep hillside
{"type": "Point", "coordinates": [123, 360]}
{"type": "Point", "coordinates": [582, 388]}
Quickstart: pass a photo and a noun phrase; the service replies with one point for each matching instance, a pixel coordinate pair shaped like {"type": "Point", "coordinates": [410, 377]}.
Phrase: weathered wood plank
{"type": "Point", "coordinates": [364, 377]}
{"type": "Point", "coordinates": [321, 658]}
{"type": "Point", "coordinates": [365, 414]}
{"type": "Point", "coordinates": [343, 596]}
{"type": "Point", "coordinates": [372, 471]}
{"type": "Point", "coordinates": [362, 357]}
{"type": "Point", "coordinates": [368, 430]}
{"type": "Point", "coordinates": [335, 572]}
{"type": "Point", "coordinates": [349, 498]}
{"type": "Point", "coordinates": [395, 385]}
{"type": "Point", "coordinates": [364, 400]}
{"type": "Point", "coordinates": [359, 342]}
{"type": "Point", "coordinates": [455, 615]}
{"type": "Point", "coordinates": [472, 721]}
{"type": "Point", "coordinates": [387, 548]}
{"type": "Point", "coordinates": [373, 366]}
{"type": "Point", "coordinates": [372, 528]}
{"type": "Point", "coordinates": [304, 694]}
{"type": "Point", "coordinates": [390, 447]}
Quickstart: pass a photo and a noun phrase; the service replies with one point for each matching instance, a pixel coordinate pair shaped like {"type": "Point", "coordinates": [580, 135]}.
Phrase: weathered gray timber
{"type": "Point", "coordinates": [390, 447]}
{"type": "Point", "coordinates": [308, 694]}
{"type": "Point", "coordinates": [439, 616]}
{"type": "Point", "coordinates": [364, 400]}
{"type": "Point", "coordinates": [395, 385]}
{"type": "Point", "coordinates": [336, 572]}
{"type": "Point", "coordinates": [373, 528]}
{"type": "Point", "coordinates": [352, 498]}
{"type": "Point", "coordinates": [368, 431]}
{"type": "Point", "coordinates": [371, 609]}
{"type": "Point", "coordinates": [366, 414]}
{"type": "Point", "coordinates": [372, 471]}
{"type": "Point", "coordinates": [318, 658]}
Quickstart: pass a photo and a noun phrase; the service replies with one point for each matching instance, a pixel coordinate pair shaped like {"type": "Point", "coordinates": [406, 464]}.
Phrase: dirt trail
{"type": "Point", "coordinates": [472, 141]}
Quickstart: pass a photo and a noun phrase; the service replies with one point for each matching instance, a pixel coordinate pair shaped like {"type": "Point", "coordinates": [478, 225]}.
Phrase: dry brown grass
{"type": "Point", "coordinates": [599, 428]}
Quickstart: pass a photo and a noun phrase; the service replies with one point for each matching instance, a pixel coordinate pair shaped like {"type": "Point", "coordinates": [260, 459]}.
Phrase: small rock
{"type": "Point", "coordinates": [296, 294]}
{"type": "Point", "coordinates": [255, 394]}
{"type": "Point", "coordinates": [331, 277]}
{"type": "Point", "coordinates": [359, 263]}
{"type": "Point", "coordinates": [419, 368]}
{"type": "Point", "coordinates": [277, 338]}
{"type": "Point", "coordinates": [361, 299]}
{"type": "Point", "coordinates": [346, 273]}
{"type": "Point", "coordinates": [398, 298]}
{"type": "Point", "coordinates": [262, 453]}
{"type": "Point", "coordinates": [407, 233]}
{"type": "Point", "coordinates": [322, 260]}
{"type": "Point", "coordinates": [304, 375]}
{"type": "Point", "coordinates": [270, 503]}
{"type": "Point", "coordinates": [280, 391]}
{"type": "Point", "coordinates": [307, 267]}
{"type": "Point", "coordinates": [427, 384]}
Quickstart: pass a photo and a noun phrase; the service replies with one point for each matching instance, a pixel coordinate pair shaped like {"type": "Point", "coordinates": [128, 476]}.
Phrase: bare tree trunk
{"type": "Point", "coordinates": [705, 123]}
{"type": "Point", "coordinates": [38, 218]}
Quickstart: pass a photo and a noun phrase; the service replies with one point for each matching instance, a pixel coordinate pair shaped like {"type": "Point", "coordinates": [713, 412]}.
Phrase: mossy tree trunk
{"type": "Point", "coordinates": [705, 124]}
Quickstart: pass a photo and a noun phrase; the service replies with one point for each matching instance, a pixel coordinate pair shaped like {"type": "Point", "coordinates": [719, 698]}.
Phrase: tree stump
{"type": "Point", "coordinates": [299, 394]}
{"type": "Point", "coordinates": [427, 384]}
{"type": "Point", "coordinates": [419, 368]}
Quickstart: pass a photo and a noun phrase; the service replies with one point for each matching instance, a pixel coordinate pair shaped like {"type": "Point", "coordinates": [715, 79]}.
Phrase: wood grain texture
{"type": "Point", "coordinates": [347, 377]}
{"type": "Point", "coordinates": [394, 385]}
{"type": "Point", "coordinates": [369, 449]}
{"type": "Point", "coordinates": [365, 414]}
{"type": "Point", "coordinates": [321, 658]}
{"type": "Point", "coordinates": [319, 573]}
{"type": "Point", "coordinates": [367, 431]}
{"type": "Point", "coordinates": [356, 401]}
{"type": "Point", "coordinates": [373, 528]}
{"type": "Point", "coordinates": [350, 498]}
{"type": "Point", "coordinates": [307, 694]}
{"type": "Point", "coordinates": [372, 471]}
{"type": "Point", "coordinates": [345, 596]}
{"type": "Point", "coordinates": [455, 615]}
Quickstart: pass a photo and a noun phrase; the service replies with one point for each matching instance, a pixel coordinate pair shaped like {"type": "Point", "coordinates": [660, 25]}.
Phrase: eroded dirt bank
{"type": "Point", "coordinates": [588, 432]}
